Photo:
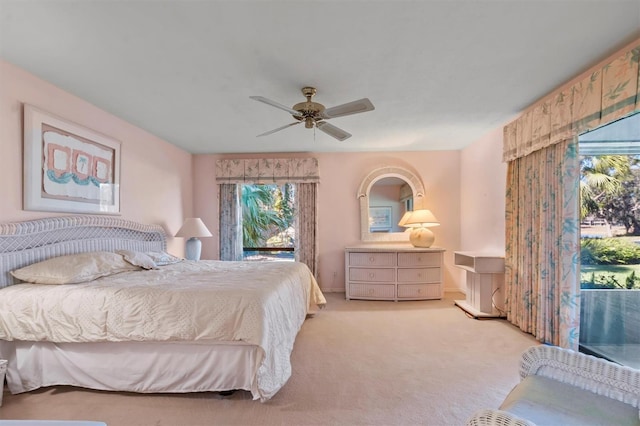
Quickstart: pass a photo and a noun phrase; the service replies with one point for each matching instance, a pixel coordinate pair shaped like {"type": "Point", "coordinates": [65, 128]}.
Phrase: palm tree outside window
{"type": "Point", "coordinates": [268, 215]}
{"type": "Point", "coordinates": [610, 241]}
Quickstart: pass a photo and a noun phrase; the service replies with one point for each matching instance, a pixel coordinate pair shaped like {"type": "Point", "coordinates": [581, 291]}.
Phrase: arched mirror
{"type": "Point", "coordinates": [385, 195]}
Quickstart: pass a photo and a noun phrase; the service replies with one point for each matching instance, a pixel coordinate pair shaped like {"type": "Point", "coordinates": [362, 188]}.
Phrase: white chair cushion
{"type": "Point", "coordinates": [544, 401]}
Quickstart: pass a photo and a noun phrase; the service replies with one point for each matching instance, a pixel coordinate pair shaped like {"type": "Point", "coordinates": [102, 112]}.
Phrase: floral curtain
{"type": "Point", "coordinates": [303, 172]}
{"type": "Point", "coordinates": [543, 244]}
{"type": "Point", "coordinates": [267, 170]}
{"type": "Point", "coordinates": [230, 222]}
{"type": "Point", "coordinates": [607, 93]}
{"type": "Point", "coordinates": [306, 245]}
{"type": "Point", "coordinates": [542, 216]}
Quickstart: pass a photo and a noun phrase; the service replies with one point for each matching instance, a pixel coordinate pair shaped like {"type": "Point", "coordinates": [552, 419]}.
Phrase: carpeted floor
{"type": "Point", "coordinates": [354, 363]}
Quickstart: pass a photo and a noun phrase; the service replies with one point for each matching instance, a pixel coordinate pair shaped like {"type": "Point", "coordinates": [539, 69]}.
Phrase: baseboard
{"type": "Point", "coordinates": [446, 290]}
{"type": "Point", "coordinates": [333, 290]}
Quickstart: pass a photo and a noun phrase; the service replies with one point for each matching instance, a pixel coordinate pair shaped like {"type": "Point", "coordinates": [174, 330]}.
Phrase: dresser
{"type": "Point", "coordinates": [393, 272]}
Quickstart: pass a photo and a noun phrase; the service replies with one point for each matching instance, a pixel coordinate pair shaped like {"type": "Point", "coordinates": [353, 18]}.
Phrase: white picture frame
{"type": "Point", "coordinates": [67, 167]}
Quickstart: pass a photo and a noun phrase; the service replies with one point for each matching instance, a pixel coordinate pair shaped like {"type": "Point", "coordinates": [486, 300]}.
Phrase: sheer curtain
{"type": "Point", "coordinates": [543, 244]}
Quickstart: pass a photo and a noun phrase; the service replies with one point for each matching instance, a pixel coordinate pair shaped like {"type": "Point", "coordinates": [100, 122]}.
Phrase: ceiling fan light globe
{"type": "Point", "coordinates": [308, 122]}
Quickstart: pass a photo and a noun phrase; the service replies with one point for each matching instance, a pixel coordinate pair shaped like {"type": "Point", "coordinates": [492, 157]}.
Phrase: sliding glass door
{"type": "Point", "coordinates": [610, 241]}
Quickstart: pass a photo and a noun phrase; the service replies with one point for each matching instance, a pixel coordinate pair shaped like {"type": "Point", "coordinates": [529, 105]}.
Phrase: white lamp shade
{"type": "Point", "coordinates": [193, 227]}
{"type": "Point", "coordinates": [405, 217]}
{"type": "Point", "coordinates": [421, 219]}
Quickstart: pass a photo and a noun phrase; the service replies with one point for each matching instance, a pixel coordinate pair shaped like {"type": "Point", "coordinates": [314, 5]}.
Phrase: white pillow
{"type": "Point", "coordinates": [138, 258]}
{"type": "Point", "coordinates": [162, 258]}
{"type": "Point", "coordinates": [74, 268]}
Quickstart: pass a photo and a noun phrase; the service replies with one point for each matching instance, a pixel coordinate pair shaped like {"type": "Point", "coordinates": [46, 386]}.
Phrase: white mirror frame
{"type": "Point", "coordinates": [363, 195]}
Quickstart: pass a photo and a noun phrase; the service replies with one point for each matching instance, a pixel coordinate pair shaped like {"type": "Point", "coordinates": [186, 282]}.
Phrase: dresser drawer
{"type": "Point", "coordinates": [419, 275]}
{"type": "Point", "coordinates": [393, 272]}
{"type": "Point", "coordinates": [374, 291]}
{"type": "Point", "coordinates": [372, 259]}
{"type": "Point", "coordinates": [419, 291]}
{"type": "Point", "coordinates": [372, 274]}
{"type": "Point", "coordinates": [419, 259]}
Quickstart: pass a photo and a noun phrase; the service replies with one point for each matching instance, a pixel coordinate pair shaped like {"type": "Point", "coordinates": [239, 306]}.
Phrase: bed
{"type": "Point", "coordinates": [180, 327]}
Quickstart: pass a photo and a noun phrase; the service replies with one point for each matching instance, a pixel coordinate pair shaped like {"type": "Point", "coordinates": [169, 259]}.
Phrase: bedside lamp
{"type": "Point", "coordinates": [403, 220]}
{"type": "Point", "coordinates": [420, 221]}
{"type": "Point", "coordinates": [193, 228]}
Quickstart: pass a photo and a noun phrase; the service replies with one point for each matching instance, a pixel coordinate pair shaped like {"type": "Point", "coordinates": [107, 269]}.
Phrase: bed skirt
{"type": "Point", "coordinates": [144, 367]}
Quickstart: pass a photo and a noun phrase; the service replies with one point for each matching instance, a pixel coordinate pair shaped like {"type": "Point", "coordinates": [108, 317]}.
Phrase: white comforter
{"type": "Point", "coordinates": [208, 301]}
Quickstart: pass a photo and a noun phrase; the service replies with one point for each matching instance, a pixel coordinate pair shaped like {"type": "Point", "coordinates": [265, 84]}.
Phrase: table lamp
{"type": "Point", "coordinates": [420, 221]}
{"type": "Point", "coordinates": [192, 228]}
{"type": "Point", "coordinates": [403, 220]}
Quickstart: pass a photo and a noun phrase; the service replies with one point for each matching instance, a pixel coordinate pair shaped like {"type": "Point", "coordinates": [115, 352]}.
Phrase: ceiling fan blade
{"type": "Point", "coordinates": [278, 129]}
{"type": "Point", "coordinates": [354, 107]}
{"type": "Point", "coordinates": [276, 104]}
{"type": "Point", "coordinates": [333, 131]}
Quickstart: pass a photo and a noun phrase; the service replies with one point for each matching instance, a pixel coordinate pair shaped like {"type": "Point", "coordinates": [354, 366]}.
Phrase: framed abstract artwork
{"type": "Point", "coordinates": [67, 167]}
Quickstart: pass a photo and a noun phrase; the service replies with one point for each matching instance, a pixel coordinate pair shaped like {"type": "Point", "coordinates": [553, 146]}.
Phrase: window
{"type": "Point", "coordinates": [610, 241]}
{"type": "Point", "coordinates": [268, 231]}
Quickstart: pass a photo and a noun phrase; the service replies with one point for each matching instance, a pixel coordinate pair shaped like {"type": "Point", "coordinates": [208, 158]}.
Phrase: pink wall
{"type": "Point", "coordinates": [482, 196]}
{"type": "Point", "coordinates": [483, 178]}
{"type": "Point", "coordinates": [156, 177]}
{"type": "Point", "coordinates": [163, 184]}
{"type": "Point", "coordinates": [339, 209]}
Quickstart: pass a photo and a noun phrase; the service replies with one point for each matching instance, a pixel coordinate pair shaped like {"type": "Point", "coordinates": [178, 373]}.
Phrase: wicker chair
{"type": "Point", "coordinates": [560, 386]}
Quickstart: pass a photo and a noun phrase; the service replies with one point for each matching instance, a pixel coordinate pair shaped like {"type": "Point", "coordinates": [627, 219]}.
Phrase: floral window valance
{"type": "Point", "coordinates": [607, 93]}
{"type": "Point", "coordinates": [268, 170]}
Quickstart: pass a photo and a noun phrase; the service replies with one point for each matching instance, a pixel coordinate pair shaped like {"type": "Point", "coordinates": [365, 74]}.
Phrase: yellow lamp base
{"type": "Point", "coordinates": [421, 237]}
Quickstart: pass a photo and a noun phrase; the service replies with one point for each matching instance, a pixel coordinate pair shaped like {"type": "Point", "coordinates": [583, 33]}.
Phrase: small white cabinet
{"type": "Point", "coordinates": [393, 272]}
{"type": "Point", "coordinates": [485, 283]}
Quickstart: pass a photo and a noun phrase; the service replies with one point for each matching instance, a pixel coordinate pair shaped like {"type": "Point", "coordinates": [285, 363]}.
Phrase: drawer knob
{"type": "Point", "coordinates": [372, 275]}
{"type": "Point", "coordinates": [419, 274]}
{"type": "Point", "coordinates": [372, 259]}
{"type": "Point", "coordinates": [370, 291]}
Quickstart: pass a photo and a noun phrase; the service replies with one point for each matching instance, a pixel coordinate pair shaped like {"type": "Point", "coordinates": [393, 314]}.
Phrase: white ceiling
{"type": "Point", "coordinates": [441, 74]}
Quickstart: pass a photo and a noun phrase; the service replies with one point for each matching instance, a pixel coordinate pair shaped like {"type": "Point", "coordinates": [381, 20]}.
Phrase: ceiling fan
{"type": "Point", "coordinates": [314, 114]}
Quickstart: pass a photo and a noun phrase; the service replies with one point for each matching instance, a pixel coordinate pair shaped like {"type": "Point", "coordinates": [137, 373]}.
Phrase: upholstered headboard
{"type": "Point", "coordinates": [23, 243]}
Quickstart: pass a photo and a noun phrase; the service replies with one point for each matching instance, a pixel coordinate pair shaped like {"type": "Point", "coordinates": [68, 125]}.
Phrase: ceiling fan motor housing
{"type": "Point", "coordinates": [311, 111]}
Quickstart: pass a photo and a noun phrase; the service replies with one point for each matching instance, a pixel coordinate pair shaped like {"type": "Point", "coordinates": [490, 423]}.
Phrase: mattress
{"type": "Point", "coordinates": [262, 304]}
